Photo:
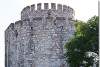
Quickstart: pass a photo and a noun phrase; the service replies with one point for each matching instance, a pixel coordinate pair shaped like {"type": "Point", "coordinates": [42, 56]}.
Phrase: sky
{"type": "Point", "coordinates": [10, 11]}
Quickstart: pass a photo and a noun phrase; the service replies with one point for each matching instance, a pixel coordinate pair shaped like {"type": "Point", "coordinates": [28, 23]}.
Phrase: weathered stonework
{"type": "Point", "coordinates": [37, 40]}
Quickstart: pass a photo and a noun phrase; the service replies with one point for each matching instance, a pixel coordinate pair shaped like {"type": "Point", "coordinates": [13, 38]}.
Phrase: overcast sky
{"type": "Point", "coordinates": [10, 12]}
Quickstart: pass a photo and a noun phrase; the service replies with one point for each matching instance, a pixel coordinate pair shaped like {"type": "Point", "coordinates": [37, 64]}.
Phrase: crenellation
{"type": "Point", "coordinates": [39, 6]}
{"type": "Point", "coordinates": [59, 7]}
{"type": "Point", "coordinates": [26, 9]}
{"type": "Point", "coordinates": [46, 6]}
{"type": "Point", "coordinates": [25, 12]}
{"type": "Point", "coordinates": [30, 11]}
{"type": "Point", "coordinates": [65, 9]}
{"type": "Point", "coordinates": [32, 7]}
{"type": "Point", "coordinates": [53, 6]}
{"type": "Point", "coordinates": [18, 22]}
{"type": "Point", "coordinates": [71, 10]}
{"type": "Point", "coordinates": [11, 26]}
{"type": "Point", "coordinates": [68, 9]}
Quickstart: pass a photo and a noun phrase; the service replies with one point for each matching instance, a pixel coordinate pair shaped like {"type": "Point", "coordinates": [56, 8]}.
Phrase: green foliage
{"type": "Point", "coordinates": [85, 40]}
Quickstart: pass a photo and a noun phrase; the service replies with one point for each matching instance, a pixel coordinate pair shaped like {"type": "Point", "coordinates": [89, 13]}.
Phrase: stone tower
{"type": "Point", "coordinates": [37, 40]}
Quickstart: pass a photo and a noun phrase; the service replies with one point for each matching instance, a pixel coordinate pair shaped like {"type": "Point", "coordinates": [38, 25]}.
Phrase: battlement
{"type": "Point", "coordinates": [33, 13]}
{"type": "Point", "coordinates": [54, 7]}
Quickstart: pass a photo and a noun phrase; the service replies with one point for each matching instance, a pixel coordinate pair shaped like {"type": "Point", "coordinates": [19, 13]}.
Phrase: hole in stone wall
{"type": "Point", "coordinates": [31, 32]}
{"type": "Point", "coordinates": [31, 28]}
{"type": "Point", "coordinates": [16, 33]}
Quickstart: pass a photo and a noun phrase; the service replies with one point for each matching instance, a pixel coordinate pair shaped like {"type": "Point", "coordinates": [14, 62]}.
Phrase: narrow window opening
{"type": "Point", "coordinates": [16, 33]}
{"type": "Point", "coordinates": [31, 28]}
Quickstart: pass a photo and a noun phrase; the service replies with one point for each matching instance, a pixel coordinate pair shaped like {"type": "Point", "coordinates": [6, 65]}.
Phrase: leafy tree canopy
{"type": "Point", "coordinates": [83, 44]}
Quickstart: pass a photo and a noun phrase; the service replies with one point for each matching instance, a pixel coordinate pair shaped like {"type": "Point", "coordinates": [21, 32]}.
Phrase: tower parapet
{"type": "Point", "coordinates": [61, 9]}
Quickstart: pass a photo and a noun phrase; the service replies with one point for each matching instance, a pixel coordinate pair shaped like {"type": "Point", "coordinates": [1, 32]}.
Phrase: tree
{"type": "Point", "coordinates": [81, 48]}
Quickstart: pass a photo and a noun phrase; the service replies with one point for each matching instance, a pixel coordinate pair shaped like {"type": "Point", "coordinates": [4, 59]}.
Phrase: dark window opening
{"type": "Point", "coordinates": [31, 28]}
{"type": "Point", "coordinates": [16, 33]}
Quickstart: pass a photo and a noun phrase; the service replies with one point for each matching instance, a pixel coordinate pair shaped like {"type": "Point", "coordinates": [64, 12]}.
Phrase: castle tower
{"type": "Point", "coordinates": [37, 40]}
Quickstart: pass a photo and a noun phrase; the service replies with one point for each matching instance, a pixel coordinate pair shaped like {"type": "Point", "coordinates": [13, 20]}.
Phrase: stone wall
{"type": "Point", "coordinates": [38, 39]}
